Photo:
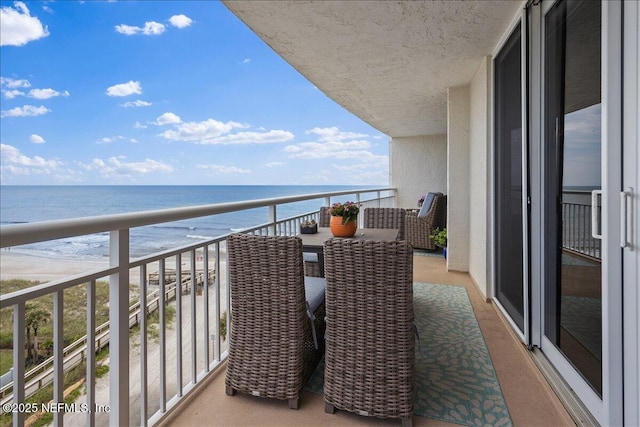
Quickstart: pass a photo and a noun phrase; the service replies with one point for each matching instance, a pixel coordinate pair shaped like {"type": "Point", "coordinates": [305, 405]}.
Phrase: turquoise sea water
{"type": "Point", "coordinates": [20, 204]}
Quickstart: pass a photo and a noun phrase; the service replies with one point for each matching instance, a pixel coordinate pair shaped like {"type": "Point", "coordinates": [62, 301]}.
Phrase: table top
{"type": "Point", "coordinates": [324, 233]}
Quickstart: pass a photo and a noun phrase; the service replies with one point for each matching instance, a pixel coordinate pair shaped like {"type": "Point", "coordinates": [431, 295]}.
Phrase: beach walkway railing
{"type": "Point", "coordinates": [197, 343]}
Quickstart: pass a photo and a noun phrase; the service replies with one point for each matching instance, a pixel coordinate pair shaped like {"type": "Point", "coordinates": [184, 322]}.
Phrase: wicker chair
{"type": "Point", "coordinates": [369, 355]}
{"type": "Point", "coordinates": [311, 265]}
{"type": "Point", "coordinates": [385, 218]}
{"type": "Point", "coordinates": [277, 331]}
{"type": "Point", "coordinates": [419, 229]}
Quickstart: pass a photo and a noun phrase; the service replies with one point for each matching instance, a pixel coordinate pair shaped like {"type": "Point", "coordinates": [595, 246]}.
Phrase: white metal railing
{"type": "Point", "coordinates": [196, 316]}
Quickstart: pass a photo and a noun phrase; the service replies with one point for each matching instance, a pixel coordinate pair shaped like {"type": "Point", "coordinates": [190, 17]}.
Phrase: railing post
{"type": "Point", "coordinates": [18, 361]}
{"type": "Point", "coordinates": [272, 220]}
{"type": "Point", "coordinates": [58, 357]}
{"type": "Point", "coordinates": [119, 328]}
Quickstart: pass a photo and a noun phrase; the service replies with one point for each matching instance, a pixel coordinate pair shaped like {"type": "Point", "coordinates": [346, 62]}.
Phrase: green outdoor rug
{"type": "Point", "coordinates": [455, 379]}
{"type": "Point", "coordinates": [424, 252]}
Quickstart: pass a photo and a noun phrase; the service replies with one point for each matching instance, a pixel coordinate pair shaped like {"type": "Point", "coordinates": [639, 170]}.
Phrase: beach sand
{"type": "Point", "coordinates": [15, 265]}
{"type": "Point", "coordinates": [44, 269]}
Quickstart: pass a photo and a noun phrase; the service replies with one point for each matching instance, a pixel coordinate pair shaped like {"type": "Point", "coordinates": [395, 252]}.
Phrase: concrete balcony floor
{"type": "Point", "coordinates": [530, 400]}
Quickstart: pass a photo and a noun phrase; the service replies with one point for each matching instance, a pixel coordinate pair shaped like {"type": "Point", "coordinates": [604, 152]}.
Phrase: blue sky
{"type": "Point", "coordinates": [165, 92]}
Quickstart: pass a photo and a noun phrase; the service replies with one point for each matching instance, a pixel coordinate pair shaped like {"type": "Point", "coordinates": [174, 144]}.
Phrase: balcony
{"type": "Point", "coordinates": [530, 399]}
{"type": "Point", "coordinates": [144, 358]}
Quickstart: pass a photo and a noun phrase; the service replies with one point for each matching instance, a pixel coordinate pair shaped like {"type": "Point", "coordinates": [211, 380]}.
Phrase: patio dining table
{"type": "Point", "coordinates": [314, 243]}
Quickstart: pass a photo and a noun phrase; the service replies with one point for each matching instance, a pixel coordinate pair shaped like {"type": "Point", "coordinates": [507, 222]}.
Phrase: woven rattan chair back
{"type": "Point", "coordinates": [418, 230]}
{"type": "Point", "coordinates": [369, 356]}
{"type": "Point", "coordinates": [385, 218]}
{"type": "Point", "coordinates": [324, 217]}
{"type": "Point", "coordinates": [271, 352]}
{"type": "Point", "coordinates": [311, 264]}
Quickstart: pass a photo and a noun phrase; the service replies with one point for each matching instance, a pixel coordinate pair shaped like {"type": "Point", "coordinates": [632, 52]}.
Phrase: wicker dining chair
{"type": "Point", "coordinates": [418, 229]}
{"type": "Point", "coordinates": [385, 218]}
{"type": "Point", "coordinates": [311, 264]}
{"type": "Point", "coordinates": [277, 329]}
{"type": "Point", "coordinates": [369, 339]}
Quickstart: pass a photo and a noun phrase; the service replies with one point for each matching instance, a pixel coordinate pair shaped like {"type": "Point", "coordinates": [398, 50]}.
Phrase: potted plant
{"type": "Point", "coordinates": [439, 238]}
{"type": "Point", "coordinates": [344, 218]}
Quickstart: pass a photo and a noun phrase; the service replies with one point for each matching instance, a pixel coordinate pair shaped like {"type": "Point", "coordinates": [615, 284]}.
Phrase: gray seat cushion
{"type": "Point", "coordinates": [310, 257]}
{"type": "Point", "coordinates": [314, 291]}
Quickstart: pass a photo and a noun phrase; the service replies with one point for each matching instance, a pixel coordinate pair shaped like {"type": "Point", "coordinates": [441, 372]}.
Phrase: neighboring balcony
{"type": "Point", "coordinates": [167, 366]}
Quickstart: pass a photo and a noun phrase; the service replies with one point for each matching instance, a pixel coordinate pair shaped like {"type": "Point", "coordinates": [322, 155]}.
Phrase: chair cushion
{"type": "Point", "coordinates": [310, 256]}
{"type": "Point", "coordinates": [428, 201]}
{"type": "Point", "coordinates": [314, 291]}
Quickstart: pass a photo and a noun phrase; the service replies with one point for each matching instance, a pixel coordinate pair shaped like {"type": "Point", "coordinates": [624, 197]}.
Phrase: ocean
{"type": "Point", "coordinates": [23, 204]}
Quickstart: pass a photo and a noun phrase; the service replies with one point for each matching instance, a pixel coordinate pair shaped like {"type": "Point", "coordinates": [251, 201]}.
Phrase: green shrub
{"type": "Point", "coordinates": [439, 237]}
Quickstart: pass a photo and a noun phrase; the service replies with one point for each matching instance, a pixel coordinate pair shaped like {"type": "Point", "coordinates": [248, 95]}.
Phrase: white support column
{"type": "Point", "coordinates": [119, 328]}
{"type": "Point", "coordinates": [458, 123]}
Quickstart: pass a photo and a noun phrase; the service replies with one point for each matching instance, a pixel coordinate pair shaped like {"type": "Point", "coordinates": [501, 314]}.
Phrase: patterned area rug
{"type": "Point", "coordinates": [423, 252]}
{"type": "Point", "coordinates": [455, 379]}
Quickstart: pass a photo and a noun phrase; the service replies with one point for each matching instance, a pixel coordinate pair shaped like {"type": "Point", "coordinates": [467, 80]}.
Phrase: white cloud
{"type": "Point", "coordinates": [16, 163]}
{"type": "Point", "coordinates": [125, 89]}
{"type": "Point", "coordinates": [36, 139]}
{"type": "Point", "coordinates": [180, 21]}
{"type": "Point", "coordinates": [212, 131]}
{"type": "Point", "coordinates": [270, 137]}
{"type": "Point", "coordinates": [200, 131]}
{"type": "Point", "coordinates": [167, 119]}
{"type": "Point", "coordinates": [18, 27]}
{"type": "Point", "coordinates": [224, 170]}
{"type": "Point", "coordinates": [46, 93]}
{"type": "Point", "coordinates": [12, 93]}
{"type": "Point", "coordinates": [151, 28]}
{"type": "Point", "coordinates": [274, 164]}
{"type": "Point", "coordinates": [11, 87]}
{"type": "Point", "coordinates": [14, 83]}
{"type": "Point", "coordinates": [26, 110]}
{"type": "Point", "coordinates": [110, 139]}
{"type": "Point", "coordinates": [139, 125]}
{"type": "Point", "coordinates": [137, 103]}
{"type": "Point", "coordinates": [334, 134]}
{"type": "Point", "coordinates": [115, 167]}
{"type": "Point", "coordinates": [246, 60]}
{"type": "Point", "coordinates": [333, 143]}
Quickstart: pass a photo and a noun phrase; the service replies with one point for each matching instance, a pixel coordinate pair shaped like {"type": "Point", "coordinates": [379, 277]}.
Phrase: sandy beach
{"type": "Point", "coordinates": [43, 269]}
{"type": "Point", "coordinates": [29, 267]}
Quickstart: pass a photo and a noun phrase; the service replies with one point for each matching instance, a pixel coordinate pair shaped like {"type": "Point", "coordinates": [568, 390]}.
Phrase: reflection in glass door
{"type": "Point", "coordinates": [572, 141]}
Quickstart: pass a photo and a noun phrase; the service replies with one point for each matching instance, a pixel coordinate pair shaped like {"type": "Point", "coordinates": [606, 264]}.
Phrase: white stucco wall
{"type": "Point", "coordinates": [479, 182]}
{"type": "Point", "coordinates": [418, 165]}
{"type": "Point", "coordinates": [458, 178]}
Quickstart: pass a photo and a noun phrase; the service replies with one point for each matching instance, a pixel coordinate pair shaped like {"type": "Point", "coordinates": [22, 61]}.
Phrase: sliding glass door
{"type": "Point", "coordinates": [508, 160]}
{"type": "Point", "coordinates": [572, 174]}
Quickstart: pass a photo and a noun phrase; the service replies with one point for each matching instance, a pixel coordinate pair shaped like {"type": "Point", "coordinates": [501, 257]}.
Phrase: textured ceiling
{"type": "Point", "coordinates": [388, 62]}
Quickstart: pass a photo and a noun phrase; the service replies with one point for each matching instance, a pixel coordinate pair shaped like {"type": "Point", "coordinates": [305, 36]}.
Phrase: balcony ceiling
{"type": "Point", "coordinates": [388, 62]}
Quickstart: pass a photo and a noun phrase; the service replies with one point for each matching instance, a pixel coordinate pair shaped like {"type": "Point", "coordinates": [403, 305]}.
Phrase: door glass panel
{"type": "Point", "coordinates": [508, 184]}
{"type": "Point", "coordinates": [573, 309]}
